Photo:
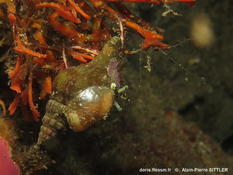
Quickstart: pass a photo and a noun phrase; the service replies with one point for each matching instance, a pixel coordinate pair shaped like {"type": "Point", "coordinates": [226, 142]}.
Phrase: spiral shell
{"type": "Point", "coordinates": [87, 107]}
{"type": "Point", "coordinates": [81, 95]}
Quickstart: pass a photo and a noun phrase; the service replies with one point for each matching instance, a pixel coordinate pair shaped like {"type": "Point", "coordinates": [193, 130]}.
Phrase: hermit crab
{"type": "Point", "coordinates": [82, 95]}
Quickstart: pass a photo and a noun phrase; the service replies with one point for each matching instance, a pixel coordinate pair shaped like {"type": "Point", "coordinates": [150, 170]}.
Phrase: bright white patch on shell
{"type": "Point", "coordinates": [88, 94]}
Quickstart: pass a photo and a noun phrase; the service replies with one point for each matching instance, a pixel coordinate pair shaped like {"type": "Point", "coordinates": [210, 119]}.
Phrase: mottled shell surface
{"type": "Point", "coordinates": [95, 73]}
{"type": "Point", "coordinates": [82, 94]}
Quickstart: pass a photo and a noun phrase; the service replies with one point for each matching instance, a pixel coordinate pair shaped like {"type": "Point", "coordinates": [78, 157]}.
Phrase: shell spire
{"type": "Point", "coordinates": [51, 122]}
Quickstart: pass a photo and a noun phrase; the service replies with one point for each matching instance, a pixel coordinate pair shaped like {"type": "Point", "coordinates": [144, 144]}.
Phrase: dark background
{"type": "Point", "coordinates": [177, 115]}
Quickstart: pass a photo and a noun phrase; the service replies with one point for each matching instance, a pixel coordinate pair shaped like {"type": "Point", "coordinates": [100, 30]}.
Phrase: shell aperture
{"type": "Point", "coordinates": [91, 104]}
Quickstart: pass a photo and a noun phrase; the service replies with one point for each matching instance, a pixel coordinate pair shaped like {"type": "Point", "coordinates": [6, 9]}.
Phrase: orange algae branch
{"type": "Point", "coordinates": [151, 38]}
{"type": "Point", "coordinates": [2, 104]}
{"type": "Point", "coordinates": [80, 56]}
{"type": "Point", "coordinates": [22, 49]}
{"type": "Point", "coordinates": [35, 113]}
{"type": "Point", "coordinates": [19, 62]}
{"type": "Point", "coordinates": [66, 31]}
{"type": "Point", "coordinates": [70, 33]}
{"type": "Point", "coordinates": [14, 104]}
{"type": "Point", "coordinates": [16, 85]}
{"type": "Point", "coordinates": [10, 10]}
{"type": "Point", "coordinates": [16, 81]}
{"type": "Point", "coordinates": [39, 37]}
{"type": "Point", "coordinates": [62, 10]}
{"type": "Point", "coordinates": [78, 9]}
{"type": "Point", "coordinates": [47, 87]}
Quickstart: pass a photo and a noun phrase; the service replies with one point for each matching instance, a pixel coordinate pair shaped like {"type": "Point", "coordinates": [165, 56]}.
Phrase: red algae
{"type": "Point", "coordinates": [38, 33]}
